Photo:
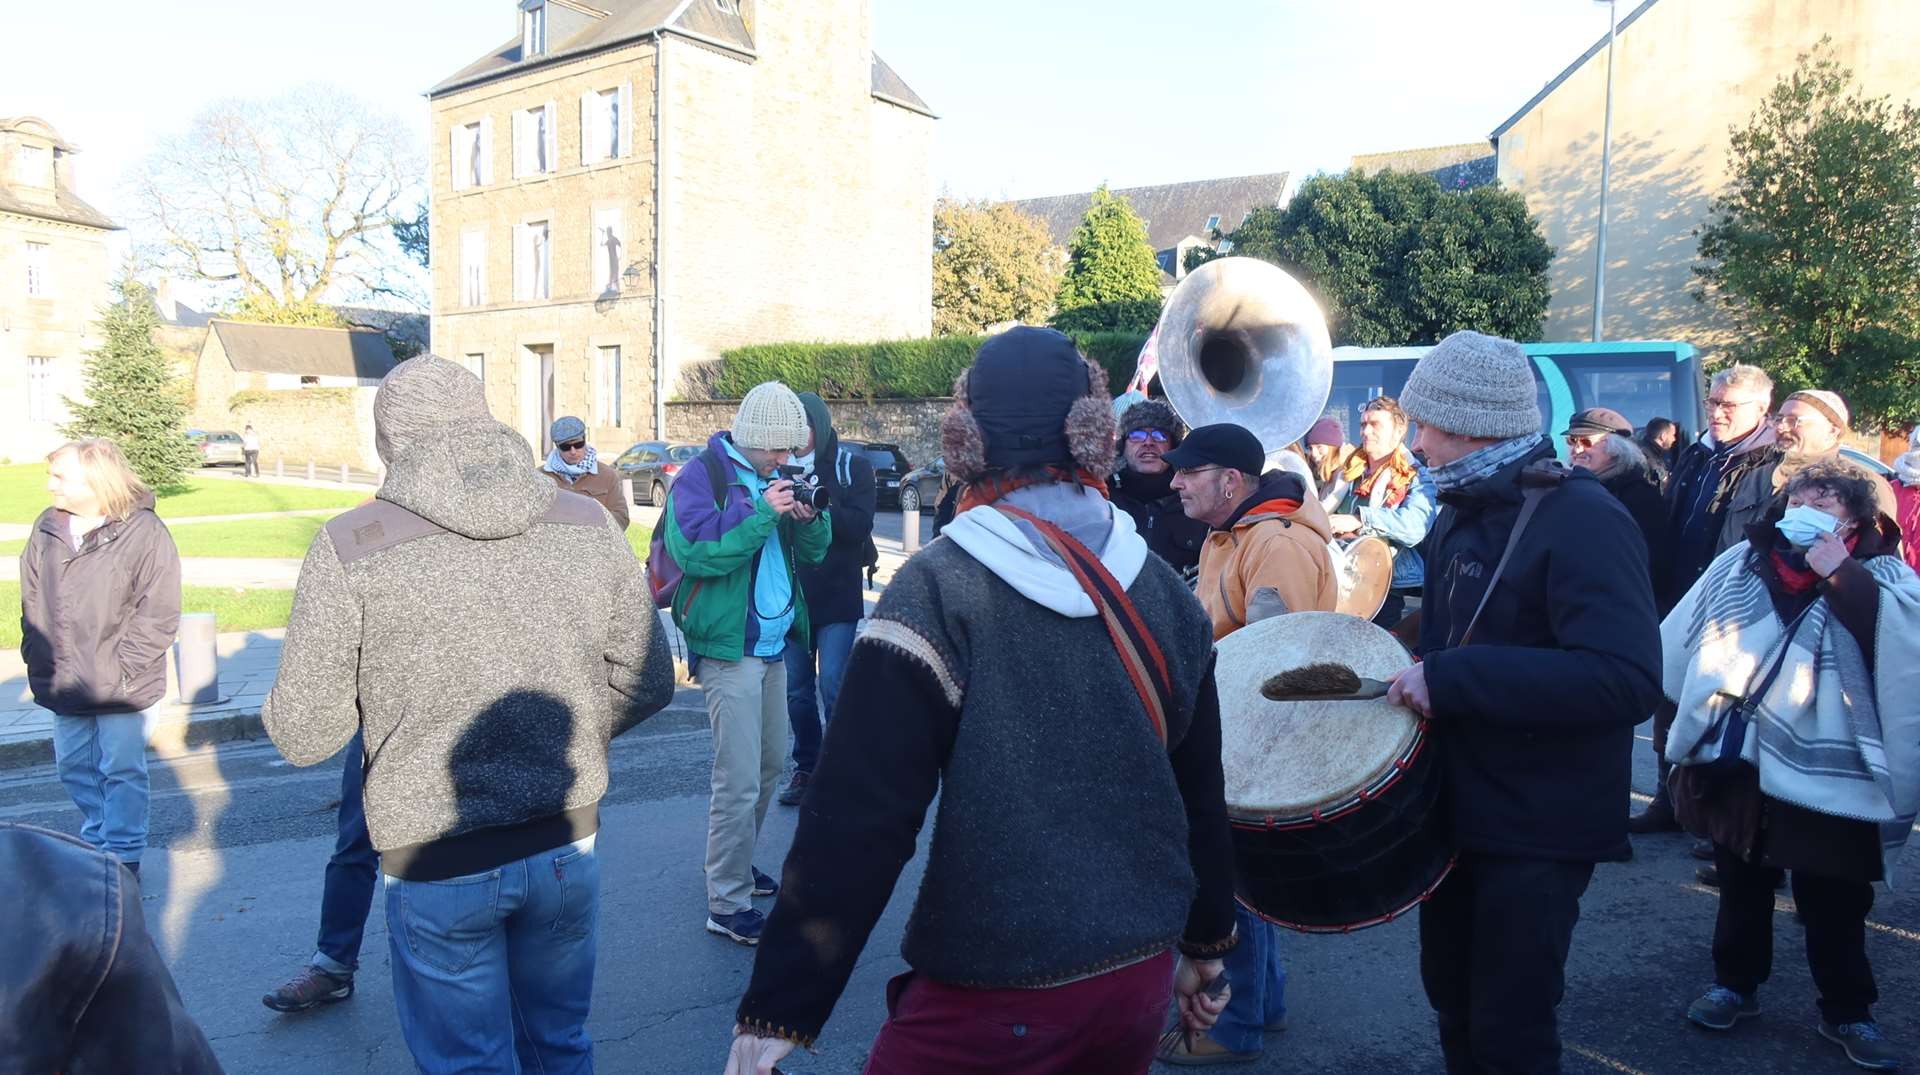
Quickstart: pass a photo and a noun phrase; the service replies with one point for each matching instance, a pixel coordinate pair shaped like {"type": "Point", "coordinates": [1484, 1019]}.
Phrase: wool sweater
{"type": "Point", "coordinates": [1069, 841]}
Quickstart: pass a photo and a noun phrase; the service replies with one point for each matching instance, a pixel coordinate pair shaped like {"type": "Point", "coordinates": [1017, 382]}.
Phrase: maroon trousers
{"type": "Point", "coordinates": [1105, 1025]}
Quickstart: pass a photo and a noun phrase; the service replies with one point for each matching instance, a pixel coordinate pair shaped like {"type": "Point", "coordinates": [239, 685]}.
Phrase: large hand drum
{"type": "Point", "coordinates": [1365, 572]}
{"type": "Point", "coordinates": [1330, 800]}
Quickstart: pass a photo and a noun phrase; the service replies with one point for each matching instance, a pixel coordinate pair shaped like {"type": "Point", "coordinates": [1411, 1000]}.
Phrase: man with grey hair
{"type": "Point", "coordinates": [1599, 439]}
{"type": "Point", "coordinates": [1810, 426]}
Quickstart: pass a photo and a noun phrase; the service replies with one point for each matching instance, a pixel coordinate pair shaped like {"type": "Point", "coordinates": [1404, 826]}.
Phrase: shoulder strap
{"type": "Point", "coordinates": [1780, 658]}
{"type": "Point", "coordinates": [1539, 483]}
{"type": "Point", "coordinates": [1146, 666]}
{"type": "Point", "coordinates": [718, 477]}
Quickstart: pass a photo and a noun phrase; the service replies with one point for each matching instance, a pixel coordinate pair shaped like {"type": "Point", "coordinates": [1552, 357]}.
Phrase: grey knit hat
{"type": "Point", "coordinates": [1474, 385]}
{"type": "Point", "coordinates": [770, 418]}
{"type": "Point", "coordinates": [421, 396]}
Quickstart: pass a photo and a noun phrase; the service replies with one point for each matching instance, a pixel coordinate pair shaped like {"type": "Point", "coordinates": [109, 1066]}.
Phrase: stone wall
{"type": "Point", "coordinates": [328, 426]}
{"type": "Point", "coordinates": [913, 424]}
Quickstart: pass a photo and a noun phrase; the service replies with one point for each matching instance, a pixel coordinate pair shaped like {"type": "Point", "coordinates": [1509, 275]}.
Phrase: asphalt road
{"type": "Point", "coordinates": [240, 840]}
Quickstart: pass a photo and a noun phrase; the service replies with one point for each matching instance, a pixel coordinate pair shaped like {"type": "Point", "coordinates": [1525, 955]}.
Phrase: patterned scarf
{"type": "Point", "coordinates": [1397, 470]}
{"type": "Point", "coordinates": [1480, 465]}
{"type": "Point", "coordinates": [556, 465]}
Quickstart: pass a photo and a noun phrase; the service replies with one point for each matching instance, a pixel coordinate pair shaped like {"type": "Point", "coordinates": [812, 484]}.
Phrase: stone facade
{"type": "Point", "coordinates": [913, 424]}
{"type": "Point", "coordinates": [1684, 72]}
{"type": "Point", "coordinates": [791, 202]}
{"type": "Point", "coordinates": [325, 426]}
{"type": "Point", "coordinates": [54, 269]}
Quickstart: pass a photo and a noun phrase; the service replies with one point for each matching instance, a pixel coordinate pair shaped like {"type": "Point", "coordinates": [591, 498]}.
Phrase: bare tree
{"type": "Point", "coordinates": [289, 201]}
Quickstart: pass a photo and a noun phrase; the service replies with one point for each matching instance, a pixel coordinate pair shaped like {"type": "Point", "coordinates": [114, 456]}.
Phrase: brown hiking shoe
{"type": "Point", "coordinates": [796, 789]}
{"type": "Point", "coordinates": [310, 988]}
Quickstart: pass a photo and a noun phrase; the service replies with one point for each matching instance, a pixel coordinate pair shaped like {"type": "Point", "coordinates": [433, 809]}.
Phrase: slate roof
{"type": "Point", "coordinates": [66, 207]}
{"type": "Point", "coordinates": [1457, 167]}
{"type": "Point", "coordinates": [1171, 212]}
{"type": "Point", "coordinates": [306, 352]}
{"type": "Point", "coordinates": [1546, 90]}
{"type": "Point", "coordinates": [628, 21]}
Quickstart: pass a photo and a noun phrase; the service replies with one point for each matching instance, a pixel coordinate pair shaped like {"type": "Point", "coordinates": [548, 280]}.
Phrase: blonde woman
{"type": "Point", "coordinates": [99, 605]}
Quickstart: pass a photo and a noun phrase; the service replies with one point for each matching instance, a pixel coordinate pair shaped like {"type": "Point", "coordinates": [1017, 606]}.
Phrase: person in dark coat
{"type": "Point", "coordinates": [1143, 486]}
{"type": "Point", "coordinates": [1624, 469]}
{"type": "Point", "coordinates": [1533, 683]}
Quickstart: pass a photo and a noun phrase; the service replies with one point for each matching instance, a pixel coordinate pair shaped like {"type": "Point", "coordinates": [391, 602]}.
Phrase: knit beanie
{"type": "Point", "coordinates": [1326, 431]}
{"type": "Point", "coordinates": [1474, 385]}
{"type": "Point", "coordinates": [771, 418]}
{"type": "Point", "coordinates": [1153, 414]}
{"type": "Point", "coordinates": [1827, 403]}
{"type": "Point", "coordinates": [421, 397]}
{"type": "Point", "coordinates": [1029, 399]}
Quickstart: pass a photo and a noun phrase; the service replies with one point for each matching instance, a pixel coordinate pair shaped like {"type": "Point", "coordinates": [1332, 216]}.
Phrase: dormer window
{"type": "Point", "coordinates": [33, 166]}
{"type": "Point", "coordinates": [1213, 222]}
{"type": "Point", "coordinates": [533, 30]}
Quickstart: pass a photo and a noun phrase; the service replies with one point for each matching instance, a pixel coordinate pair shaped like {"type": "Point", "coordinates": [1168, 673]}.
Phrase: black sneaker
{"type": "Point", "coordinates": [310, 988]}
{"type": "Point", "coordinates": [742, 927]}
{"type": "Point", "coordinates": [764, 885]}
{"type": "Point", "coordinates": [1865, 1045]}
{"type": "Point", "coordinates": [1702, 850]}
{"type": "Point", "coordinates": [1719, 1008]}
{"type": "Point", "coordinates": [796, 789]}
{"type": "Point", "coordinates": [1657, 817]}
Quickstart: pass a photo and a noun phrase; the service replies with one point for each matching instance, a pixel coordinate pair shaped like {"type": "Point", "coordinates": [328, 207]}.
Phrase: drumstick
{"type": "Point", "coordinates": [1324, 681]}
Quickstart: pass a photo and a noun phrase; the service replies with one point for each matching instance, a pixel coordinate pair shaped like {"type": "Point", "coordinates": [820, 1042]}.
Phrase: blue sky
{"type": "Point", "coordinates": [1037, 96]}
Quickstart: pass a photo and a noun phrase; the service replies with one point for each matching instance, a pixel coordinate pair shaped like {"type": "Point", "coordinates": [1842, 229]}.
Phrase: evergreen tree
{"type": "Point", "coordinates": [1109, 259]}
{"type": "Point", "coordinates": [133, 398]}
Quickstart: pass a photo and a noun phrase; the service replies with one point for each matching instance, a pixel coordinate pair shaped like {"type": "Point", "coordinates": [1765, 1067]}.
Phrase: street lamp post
{"type": "Point", "coordinates": [1606, 179]}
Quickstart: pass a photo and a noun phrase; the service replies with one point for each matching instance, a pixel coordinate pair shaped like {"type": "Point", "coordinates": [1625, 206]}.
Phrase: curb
{"type": "Point", "coordinates": [167, 739]}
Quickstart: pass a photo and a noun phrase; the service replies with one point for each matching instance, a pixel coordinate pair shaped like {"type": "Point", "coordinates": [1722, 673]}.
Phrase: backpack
{"type": "Point", "coordinates": [663, 571]}
{"type": "Point", "coordinates": [843, 470]}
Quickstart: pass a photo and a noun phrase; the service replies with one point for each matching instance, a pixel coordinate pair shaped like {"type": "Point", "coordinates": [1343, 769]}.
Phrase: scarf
{"type": "Point", "coordinates": [1829, 735]}
{"type": "Point", "coordinates": [991, 488]}
{"type": "Point", "coordinates": [1397, 471]}
{"type": "Point", "coordinates": [1480, 465]}
{"type": "Point", "coordinates": [1790, 566]}
{"type": "Point", "coordinates": [557, 465]}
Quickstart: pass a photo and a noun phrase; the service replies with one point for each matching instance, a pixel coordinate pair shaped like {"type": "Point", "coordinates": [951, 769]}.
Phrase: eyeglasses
{"type": "Point", "coordinates": [572, 445]}
{"type": "Point", "coordinates": [1795, 421]}
{"type": "Point", "coordinates": [1188, 472]}
{"type": "Point", "coordinates": [1728, 406]}
{"type": "Point", "coordinates": [1141, 436]}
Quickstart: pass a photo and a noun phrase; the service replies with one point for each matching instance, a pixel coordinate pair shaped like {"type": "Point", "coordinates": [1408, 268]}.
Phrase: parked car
{"type": "Point", "coordinates": [889, 466]}
{"type": "Point", "coordinates": [217, 447]}
{"type": "Point", "coordinates": [651, 465]}
{"type": "Point", "coordinates": [920, 489]}
{"type": "Point", "coordinates": [1856, 456]}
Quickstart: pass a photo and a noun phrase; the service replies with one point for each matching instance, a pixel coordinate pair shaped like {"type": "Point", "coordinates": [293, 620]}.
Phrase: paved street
{"type": "Point", "coordinates": [240, 840]}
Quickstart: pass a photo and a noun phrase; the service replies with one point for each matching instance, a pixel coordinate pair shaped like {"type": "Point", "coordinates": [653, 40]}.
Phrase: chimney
{"type": "Point", "coordinates": [168, 305]}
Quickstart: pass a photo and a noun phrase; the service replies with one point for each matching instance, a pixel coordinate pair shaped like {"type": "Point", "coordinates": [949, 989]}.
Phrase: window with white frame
{"type": "Point", "coordinates": [609, 250]}
{"type": "Point", "coordinates": [606, 386]}
{"type": "Point", "coordinates": [39, 388]}
{"type": "Point", "coordinates": [473, 268]}
{"type": "Point", "coordinates": [533, 262]}
{"type": "Point", "coordinates": [605, 124]}
{"type": "Point", "coordinates": [533, 141]}
{"type": "Point", "coordinates": [38, 283]}
{"type": "Point", "coordinates": [33, 166]}
{"type": "Point", "coordinates": [472, 154]}
{"type": "Point", "coordinates": [533, 35]}
{"type": "Point", "coordinates": [1213, 222]}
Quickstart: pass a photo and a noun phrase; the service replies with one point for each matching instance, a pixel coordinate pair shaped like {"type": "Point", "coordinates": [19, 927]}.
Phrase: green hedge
{"type": "Point", "coordinates": [892, 369]}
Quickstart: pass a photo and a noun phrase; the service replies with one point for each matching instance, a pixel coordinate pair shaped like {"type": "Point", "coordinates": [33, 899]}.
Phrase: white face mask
{"type": "Point", "coordinates": [1803, 525]}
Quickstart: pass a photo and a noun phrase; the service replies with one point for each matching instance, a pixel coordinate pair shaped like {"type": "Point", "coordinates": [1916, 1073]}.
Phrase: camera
{"type": "Point", "coordinates": [807, 491]}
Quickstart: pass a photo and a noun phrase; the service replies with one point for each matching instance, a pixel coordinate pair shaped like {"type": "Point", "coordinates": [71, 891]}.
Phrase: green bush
{"type": "Point", "coordinates": [892, 369]}
{"type": "Point", "coordinates": [1124, 315]}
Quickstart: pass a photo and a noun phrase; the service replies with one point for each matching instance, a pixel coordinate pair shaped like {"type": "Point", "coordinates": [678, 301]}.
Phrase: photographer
{"type": "Point", "coordinates": [738, 604]}
{"type": "Point", "coordinates": [835, 597]}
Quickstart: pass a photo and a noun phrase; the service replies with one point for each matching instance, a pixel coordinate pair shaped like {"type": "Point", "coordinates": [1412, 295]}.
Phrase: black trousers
{"type": "Point", "coordinates": [1493, 958]}
{"type": "Point", "coordinates": [1835, 914]}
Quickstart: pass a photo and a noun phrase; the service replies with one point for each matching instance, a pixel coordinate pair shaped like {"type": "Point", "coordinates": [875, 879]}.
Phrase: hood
{"type": "Point", "coordinates": [1763, 436]}
{"type": "Point", "coordinates": [1282, 495]}
{"type": "Point", "coordinates": [826, 440]}
{"type": "Point", "coordinates": [1015, 552]}
{"type": "Point", "coordinates": [447, 460]}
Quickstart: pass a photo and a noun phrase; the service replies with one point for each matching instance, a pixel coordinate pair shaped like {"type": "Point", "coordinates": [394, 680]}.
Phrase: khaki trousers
{"type": "Point", "coordinates": [747, 709]}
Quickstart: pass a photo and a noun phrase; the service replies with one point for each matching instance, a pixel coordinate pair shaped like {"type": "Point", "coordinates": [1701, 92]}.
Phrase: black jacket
{"type": "Point", "coordinates": [82, 989]}
{"type": "Point", "coordinates": [95, 625]}
{"type": "Point", "coordinates": [835, 590]}
{"type": "Point", "coordinates": [1638, 490]}
{"type": "Point", "coordinates": [1156, 512]}
{"type": "Point", "coordinates": [1535, 718]}
{"type": "Point", "coordinates": [1698, 496]}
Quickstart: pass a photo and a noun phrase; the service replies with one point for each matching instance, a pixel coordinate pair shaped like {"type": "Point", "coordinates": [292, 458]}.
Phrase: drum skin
{"type": "Point", "coordinates": [1332, 803]}
{"type": "Point", "coordinates": [1366, 575]}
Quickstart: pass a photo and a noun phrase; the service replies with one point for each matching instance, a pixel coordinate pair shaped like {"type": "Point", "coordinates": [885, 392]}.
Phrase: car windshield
{"type": "Point", "coordinates": [882, 458]}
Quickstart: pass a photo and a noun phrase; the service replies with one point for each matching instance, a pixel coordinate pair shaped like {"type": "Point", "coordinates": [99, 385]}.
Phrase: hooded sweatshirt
{"type": "Point", "coordinates": [1271, 554]}
{"type": "Point", "coordinates": [833, 587]}
{"type": "Point", "coordinates": [486, 682]}
{"type": "Point", "coordinates": [985, 676]}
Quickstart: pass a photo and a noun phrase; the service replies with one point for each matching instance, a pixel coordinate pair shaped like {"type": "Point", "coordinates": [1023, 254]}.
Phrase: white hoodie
{"type": "Point", "coordinates": [1013, 550]}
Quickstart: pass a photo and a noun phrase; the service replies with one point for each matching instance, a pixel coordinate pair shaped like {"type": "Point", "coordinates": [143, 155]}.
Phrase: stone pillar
{"type": "Point", "coordinates": [310, 470]}
{"type": "Point", "coordinates": [343, 474]}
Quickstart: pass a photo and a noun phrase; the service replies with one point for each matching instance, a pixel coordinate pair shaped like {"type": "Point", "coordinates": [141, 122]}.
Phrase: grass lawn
{"type": "Point", "coordinates": [272, 538]}
{"type": "Point", "coordinates": [23, 496]}
{"type": "Point", "coordinates": [238, 610]}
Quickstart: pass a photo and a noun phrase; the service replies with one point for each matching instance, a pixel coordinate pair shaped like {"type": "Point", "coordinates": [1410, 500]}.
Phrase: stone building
{"type": "Point", "coordinates": [1178, 216]}
{"type": "Point", "coordinates": [309, 391]}
{"type": "Point", "coordinates": [629, 187]}
{"type": "Point", "coordinates": [53, 282]}
{"type": "Point", "coordinates": [1685, 71]}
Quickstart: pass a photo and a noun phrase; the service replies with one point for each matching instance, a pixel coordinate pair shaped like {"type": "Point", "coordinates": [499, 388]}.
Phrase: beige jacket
{"type": "Point", "coordinates": [1274, 556]}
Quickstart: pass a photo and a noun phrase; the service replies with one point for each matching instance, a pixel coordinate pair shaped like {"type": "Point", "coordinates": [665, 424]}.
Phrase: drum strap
{"type": "Point", "coordinates": [1535, 493]}
{"type": "Point", "coordinates": [1146, 666]}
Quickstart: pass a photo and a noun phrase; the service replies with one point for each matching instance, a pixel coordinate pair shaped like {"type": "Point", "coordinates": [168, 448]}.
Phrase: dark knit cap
{"type": "Point", "coordinates": [1221, 445]}
{"type": "Point", "coordinates": [1326, 431]}
{"type": "Point", "coordinates": [1023, 383]}
{"type": "Point", "coordinates": [1153, 414]}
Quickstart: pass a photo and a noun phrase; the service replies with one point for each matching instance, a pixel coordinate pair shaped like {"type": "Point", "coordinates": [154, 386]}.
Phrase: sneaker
{"type": "Point", "coordinates": [1657, 817]}
{"type": "Point", "coordinates": [1702, 850]}
{"type": "Point", "coordinates": [310, 988]}
{"type": "Point", "coordinates": [1720, 1008]}
{"type": "Point", "coordinates": [796, 788]}
{"type": "Point", "coordinates": [1186, 1049]}
{"type": "Point", "coordinates": [1865, 1045]}
{"type": "Point", "coordinates": [764, 885]}
{"type": "Point", "coordinates": [742, 927]}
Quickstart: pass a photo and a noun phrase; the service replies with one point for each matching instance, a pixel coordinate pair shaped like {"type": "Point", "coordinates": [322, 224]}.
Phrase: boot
{"type": "Point", "coordinates": [1658, 816]}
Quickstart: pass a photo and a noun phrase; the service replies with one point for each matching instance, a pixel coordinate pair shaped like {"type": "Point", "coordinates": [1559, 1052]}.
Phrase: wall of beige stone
{"type": "Point", "coordinates": [58, 325]}
{"type": "Point", "coordinates": [1684, 73]}
{"type": "Point", "coordinates": [328, 426]}
{"type": "Point", "coordinates": [913, 424]}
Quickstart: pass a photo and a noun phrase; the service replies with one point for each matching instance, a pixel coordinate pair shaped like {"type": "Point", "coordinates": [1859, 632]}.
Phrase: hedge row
{"type": "Point", "coordinates": [892, 369]}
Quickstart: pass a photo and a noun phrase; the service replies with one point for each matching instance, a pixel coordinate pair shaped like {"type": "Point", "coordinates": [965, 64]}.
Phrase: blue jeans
{"type": "Point", "coordinates": [498, 966]}
{"type": "Point", "coordinates": [832, 642]}
{"type": "Point", "coordinates": [103, 763]}
{"type": "Point", "coordinates": [1259, 984]}
{"type": "Point", "coordinates": [351, 872]}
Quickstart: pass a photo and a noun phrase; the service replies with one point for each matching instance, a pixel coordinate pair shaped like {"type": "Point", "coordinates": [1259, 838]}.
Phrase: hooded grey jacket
{"type": "Point", "coordinates": [489, 633]}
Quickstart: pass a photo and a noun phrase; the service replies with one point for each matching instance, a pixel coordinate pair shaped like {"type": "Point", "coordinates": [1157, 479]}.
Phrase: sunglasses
{"type": "Point", "coordinates": [1141, 436]}
{"type": "Point", "coordinates": [572, 445]}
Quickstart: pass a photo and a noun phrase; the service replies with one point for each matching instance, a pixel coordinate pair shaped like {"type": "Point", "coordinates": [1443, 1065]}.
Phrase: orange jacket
{"type": "Point", "coordinates": [1278, 549]}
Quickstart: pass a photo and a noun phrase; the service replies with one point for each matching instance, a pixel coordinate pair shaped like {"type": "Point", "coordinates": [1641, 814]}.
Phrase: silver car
{"type": "Point", "coordinates": [218, 447]}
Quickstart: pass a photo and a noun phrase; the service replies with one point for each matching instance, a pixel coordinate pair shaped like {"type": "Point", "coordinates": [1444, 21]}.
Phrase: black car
{"type": "Point", "coordinates": [920, 490]}
{"type": "Point", "coordinates": [889, 466]}
{"type": "Point", "coordinates": [651, 466]}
